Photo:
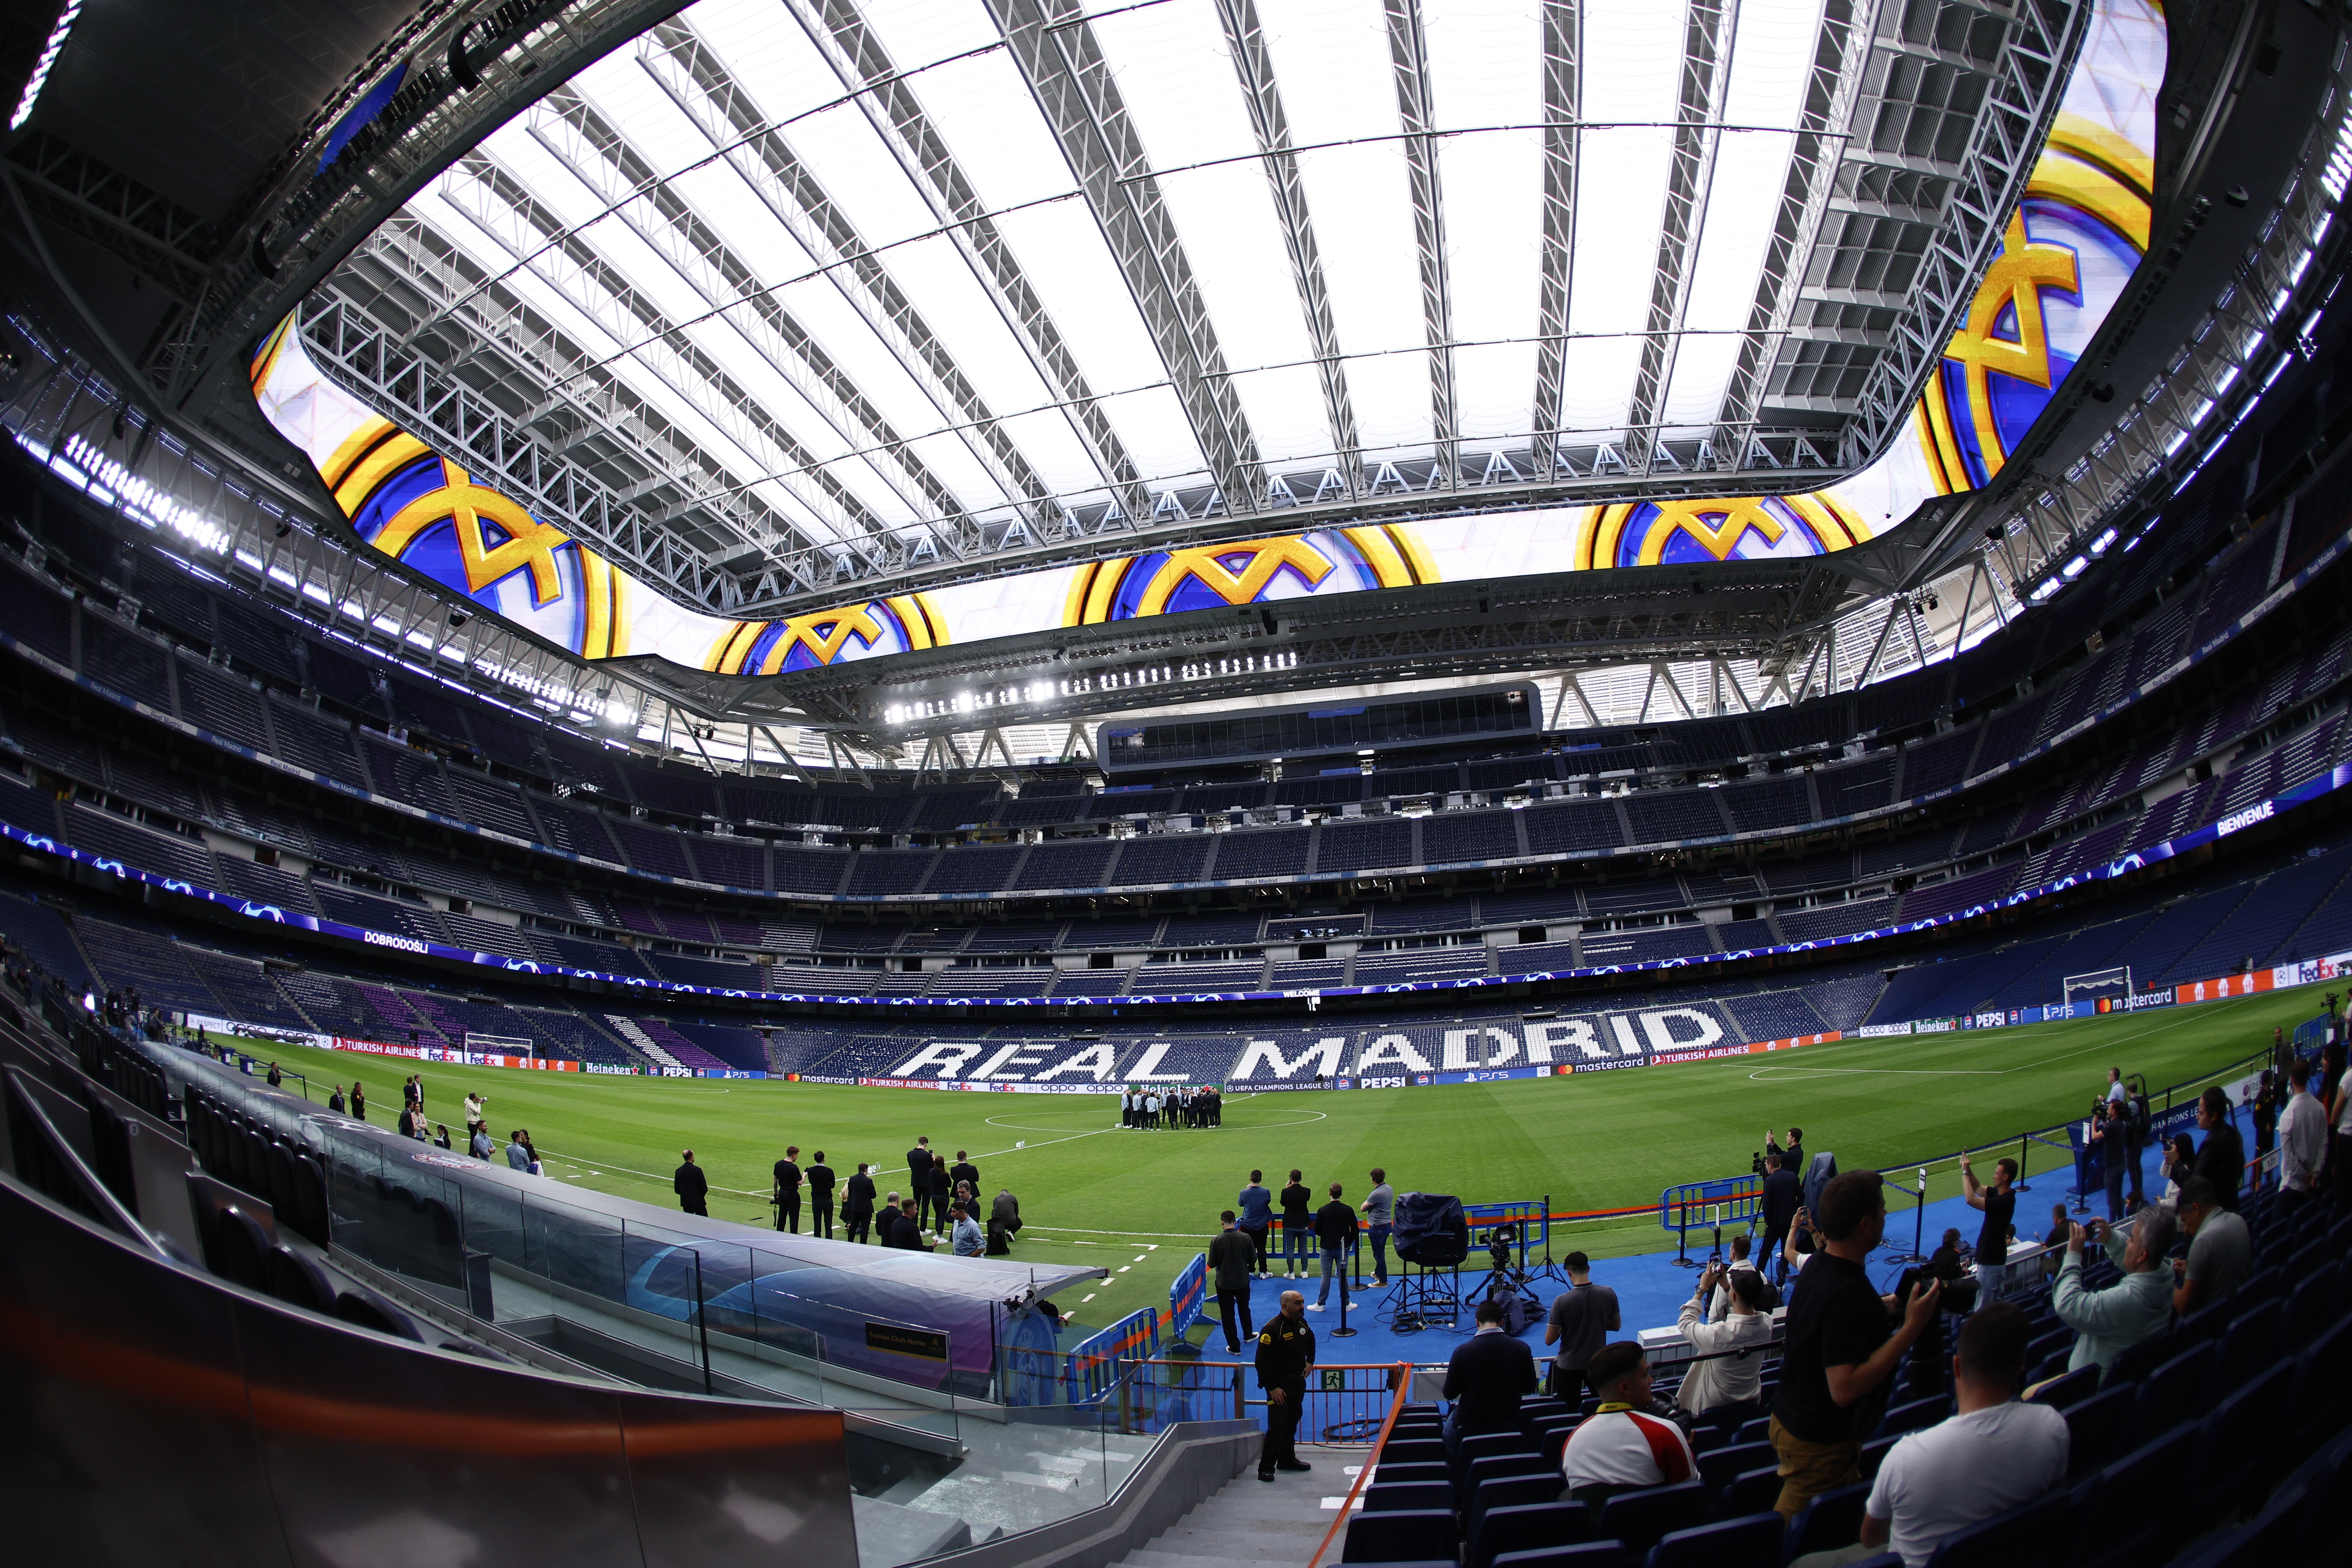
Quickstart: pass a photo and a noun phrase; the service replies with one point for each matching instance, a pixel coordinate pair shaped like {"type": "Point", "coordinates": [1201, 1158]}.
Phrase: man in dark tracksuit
{"type": "Point", "coordinates": [1285, 1349]}
{"type": "Point", "coordinates": [1231, 1259]}
{"type": "Point", "coordinates": [820, 1186]}
{"type": "Point", "coordinates": [788, 1191]}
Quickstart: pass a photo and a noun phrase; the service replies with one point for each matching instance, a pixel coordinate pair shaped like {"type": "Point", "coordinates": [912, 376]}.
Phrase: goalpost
{"type": "Point", "coordinates": [499, 1045]}
{"type": "Point", "coordinates": [2116, 983]}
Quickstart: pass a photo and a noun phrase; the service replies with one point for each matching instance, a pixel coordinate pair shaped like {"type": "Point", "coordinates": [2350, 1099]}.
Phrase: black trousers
{"type": "Point", "coordinates": [695, 1205]}
{"type": "Point", "coordinates": [1568, 1385]}
{"type": "Point", "coordinates": [1257, 1244]}
{"type": "Point", "coordinates": [1228, 1302]}
{"type": "Point", "coordinates": [857, 1227]}
{"type": "Point", "coordinates": [788, 1212]}
{"type": "Point", "coordinates": [1769, 1258]}
{"type": "Point", "coordinates": [1282, 1428]}
{"type": "Point", "coordinates": [821, 1214]}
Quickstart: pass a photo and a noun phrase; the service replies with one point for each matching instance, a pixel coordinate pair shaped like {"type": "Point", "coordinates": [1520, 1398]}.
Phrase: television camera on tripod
{"type": "Point", "coordinates": [1431, 1233]}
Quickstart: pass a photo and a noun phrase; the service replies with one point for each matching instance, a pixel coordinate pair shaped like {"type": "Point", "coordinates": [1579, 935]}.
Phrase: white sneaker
{"type": "Point", "coordinates": [1314, 1306]}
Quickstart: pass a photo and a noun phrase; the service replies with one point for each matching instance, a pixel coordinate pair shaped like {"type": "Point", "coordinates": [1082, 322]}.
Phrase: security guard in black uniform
{"type": "Point", "coordinates": [1285, 1349]}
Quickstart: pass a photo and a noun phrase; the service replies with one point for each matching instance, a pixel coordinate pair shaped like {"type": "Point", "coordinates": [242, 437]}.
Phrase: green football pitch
{"type": "Point", "coordinates": [1140, 1203]}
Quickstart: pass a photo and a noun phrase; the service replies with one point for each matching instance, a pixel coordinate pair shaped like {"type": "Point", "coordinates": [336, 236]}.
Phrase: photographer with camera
{"type": "Point", "coordinates": [1735, 1375]}
{"type": "Point", "coordinates": [1998, 1203]}
{"type": "Point", "coordinates": [1795, 1151]}
{"type": "Point", "coordinates": [2110, 1320]}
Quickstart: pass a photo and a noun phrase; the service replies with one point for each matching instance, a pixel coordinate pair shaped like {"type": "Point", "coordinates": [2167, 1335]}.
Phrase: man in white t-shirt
{"type": "Point", "coordinates": [2303, 1141]}
{"type": "Point", "coordinates": [1621, 1447]}
{"type": "Point", "coordinates": [1994, 1455]}
{"type": "Point", "coordinates": [2342, 1153]}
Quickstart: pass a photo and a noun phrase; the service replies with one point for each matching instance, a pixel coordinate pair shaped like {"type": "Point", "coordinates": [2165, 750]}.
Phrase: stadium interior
{"type": "Point", "coordinates": [750, 540]}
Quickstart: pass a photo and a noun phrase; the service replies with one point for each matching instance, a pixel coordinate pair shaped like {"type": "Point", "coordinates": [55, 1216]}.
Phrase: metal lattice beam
{"type": "Point", "coordinates": [1409, 55]}
{"type": "Point", "coordinates": [1708, 28]}
{"type": "Point", "coordinates": [1839, 53]}
{"type": "Point", "coordinates": [1563, 92]}
{"type": "Point", "coordinates": [865, 67]}
{"type": "Point", "coordinates": [720, 110]}
{"type": "Point", "coordinates": [1063, 62]}
{"type": "Point", "coordinates": [1254, 65]}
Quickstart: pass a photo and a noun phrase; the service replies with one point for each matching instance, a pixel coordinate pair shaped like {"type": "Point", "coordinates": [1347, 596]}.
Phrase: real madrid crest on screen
{"type": "Point", "coordinates": [1251, 572]}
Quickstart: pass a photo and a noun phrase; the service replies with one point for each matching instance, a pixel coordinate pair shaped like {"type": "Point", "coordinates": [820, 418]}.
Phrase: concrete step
{"type": "Point", "coordinates": [1152, 1557]}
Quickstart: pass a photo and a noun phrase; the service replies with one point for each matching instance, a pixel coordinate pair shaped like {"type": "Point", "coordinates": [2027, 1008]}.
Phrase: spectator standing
{"type": "Point", "coordinates": [857, 1205]}
{"type": "Point", "coordinates": [2221, 1158]}
{"type": "Point", "coordinates": [1297, 1228]}
{"type": "Point", "coordinates": [522, 1136]}
{"type": "Point", "coordinates": [1995, 1455]}
{"type": "Point", "coordinates": [943, 1195]}
{"type": "Point", "coordinates": [788, 1190]}
{"type": "Point", "coordinates": [1736, 1375]}
{"type": "Point", "coordinates": [820, 1189]}
{"type": "Point", "coordinates": [1334, 1229]}
{"type": "Point", "coordinates": [886, 1220]}
{"type": "Point", "coordinates": [964, 1171]}
{"type": "Point", "coordinates": [693, 1189]}
{"type": "Point", "coordinates": [409, 1126]}
{"type": "Point", "coordinates": [1256, 1207]}
{"type": "Point", "coordinates": [1229, 1269]}
{"type": "Point", "coordinates": [2339, 1118]}
{"type": "Point", "coordinates": [442, 1140]}
{"type": "Point", "coordinates": [476, 1114]}
{"type": "Point", "coordinates": [2116, 1091]}
{"type": "Point", "coordinates": [1582, 1318]}
{"type": "Point", "coordinates": [1784, 1194]}
{"type": "Point", "coordinates": [1843, 1340]}
{"type": "Point", "coordinates": [2054, 1238]}
{"type": "Point", "coordinates": [2263, 1106]}
{"type": "Point", "coordinates": [910, 1227]}
{"type": "Point", "coordinates": [968, 1239]}
{"type": "Point", "coordinates": [1621, 1448]}
{"type": "Point", "coordinates": [1998, 1202]}
{"type": "Point", "coordinates": [276, 1077]}
{"type": "Point", "coordinates": [359, 1102]}
{"type": "Point", "coordinates": [1379, 1218]}
{"type": "Point", "coordinates": [479, 1146]}
{"type": "Point", "coordinates": [2107, 1134]}
{"type": "Point", "coordinates": [2109, 1321]}
{"type": "Point", "coordinates": [335, 1101]}
{"type": "Point", "coordinates": [2179, 1164]}
{"type": "Point", "coordinates": [1486, 1376]}
{"type": "Point", "coordinates": [1285, 1349]}
{"type": "Point", "coordinates": [1795, 1151]}
{"type": "Point", "coordinates": [518, 1156]}
{"type": "Point", "coordinates": [2221, 1248]}
{"type": "Point", "coordinates": [918, 1169]}
{"type": "Point", "coordinates": [2303, 1141]}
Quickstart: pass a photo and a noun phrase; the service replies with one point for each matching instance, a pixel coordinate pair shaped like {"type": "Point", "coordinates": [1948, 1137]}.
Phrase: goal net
{"type": "Point", "coordinates": [499, 1045]}
{"type": "Point", "coordinates": [2096, 983]}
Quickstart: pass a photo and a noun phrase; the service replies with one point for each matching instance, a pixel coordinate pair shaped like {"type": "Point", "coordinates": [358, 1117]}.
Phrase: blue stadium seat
{"type": "Point", "coordinates": [1831, 1520]}
{"type": "Point", "coordinates": [1752, 1492]}
{"type": "Point", "coordinates": [2099, 1430]}
{"type": "Point", "coordinates": [2175, 1392]}
{"type": "Point", "coordinates": [1640, 1518]}
{"type": "Point", "coordinates": [1525, 1528]}
{"type": "Point", "coordinates": [1406, 1497]}
{"type": "Point", "coordinates": [2240, 1437]}
{"type": "Point", "coordinates": [2124, 1513]}
{"type": "Point", "coordinates": [1721, 1468]}
{"type": "Point", "coordinates": [1412, 1470]}
{"type": "Point", "coordinates": [1510, 1492]}
{"type": "Point", "coordinates": [2249, 1344]}
{"type": "Point", "coordinates": [2024, 1537]}
{"type": "Point", "coordinates": [2323, 1379]}
{"type": "Point", "coordinates": [2313, 1306]}
{"type": "Point", "coordinates": [1592, 1554]}
{"type": "Point", "coordinates": [1425, 1535]}
{"type": "Point", "coordinates": [1493, 1467]}
{"type": "Point", "coordinates": [1875, 1452]}
{"type": "Point", "coordinates": [298, 1281]}
{"type": "Point", "coordinates": [1414, 1450]}
{"type": "Point", "coordinates": [2066, 1392]}
{"type": "Point", "coordinates": [2137, 1361]}
{"type": "Point", "coordinates": [1915, 1416]}
{"type": "Point", "coordinates": [1753, 1541]}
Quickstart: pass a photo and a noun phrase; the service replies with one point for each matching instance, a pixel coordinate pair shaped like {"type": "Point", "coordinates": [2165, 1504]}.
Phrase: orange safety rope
{"type": "Point", "coordinates": [1404, 1371]}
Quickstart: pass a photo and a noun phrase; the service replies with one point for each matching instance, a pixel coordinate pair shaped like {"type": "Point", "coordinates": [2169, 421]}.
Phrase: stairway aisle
{"type": "Point", "coordinates": [1250, 1524]}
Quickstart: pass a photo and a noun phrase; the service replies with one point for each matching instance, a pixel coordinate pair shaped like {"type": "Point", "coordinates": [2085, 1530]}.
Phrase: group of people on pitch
{"type": "Point", "coordinates": [1146, 1109]}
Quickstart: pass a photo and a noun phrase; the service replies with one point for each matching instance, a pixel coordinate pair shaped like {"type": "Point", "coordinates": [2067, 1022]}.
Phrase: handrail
{"type": "Point", "coordinates": [1402, 1371]}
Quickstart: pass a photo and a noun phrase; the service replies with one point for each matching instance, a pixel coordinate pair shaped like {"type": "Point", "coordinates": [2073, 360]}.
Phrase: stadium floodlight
{"type": "Point", "coordinates": [2095, 984]}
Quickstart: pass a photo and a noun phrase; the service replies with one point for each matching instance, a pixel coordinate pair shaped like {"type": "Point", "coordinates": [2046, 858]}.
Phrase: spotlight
{"type": "Point", "coordinates": [283, 529]}
{"type": "Point", "coordinates": [459, 617]}
{"type": "Point", "coordinates": [2105, 391]}
{"type": "Point", "coordinates": [2236, 196]}
{"type": "Point", "coordinates": [1992, 534]}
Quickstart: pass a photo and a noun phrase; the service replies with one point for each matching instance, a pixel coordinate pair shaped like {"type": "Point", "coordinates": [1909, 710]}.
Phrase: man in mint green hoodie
{"type": "Point", "coordinates": [2139, 1306]}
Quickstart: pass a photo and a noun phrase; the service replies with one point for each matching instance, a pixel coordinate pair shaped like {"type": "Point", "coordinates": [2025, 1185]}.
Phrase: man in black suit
{"type": "Point", "coordinates": [1485, 1377]}
{"type": "Point", "coordinates": [1784, 1194]}
{"type": "Point", "coordinates": [820, 1186]}
{"type": "Point", "coordinates": [1772, 1150]}
{"type": "Point", "coordinates": [788, 1191]}
{"type": "Point", "coordinates": [693, 1189]}
{"type": "Point", "coordinates": [942, 1196]}
{"type": "Point", "coordinates": [919, 1173]}
{"type": "Point", "coordinates": [857, 1205]}
{"type": "Point", "coordinates": [964, 1171]}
